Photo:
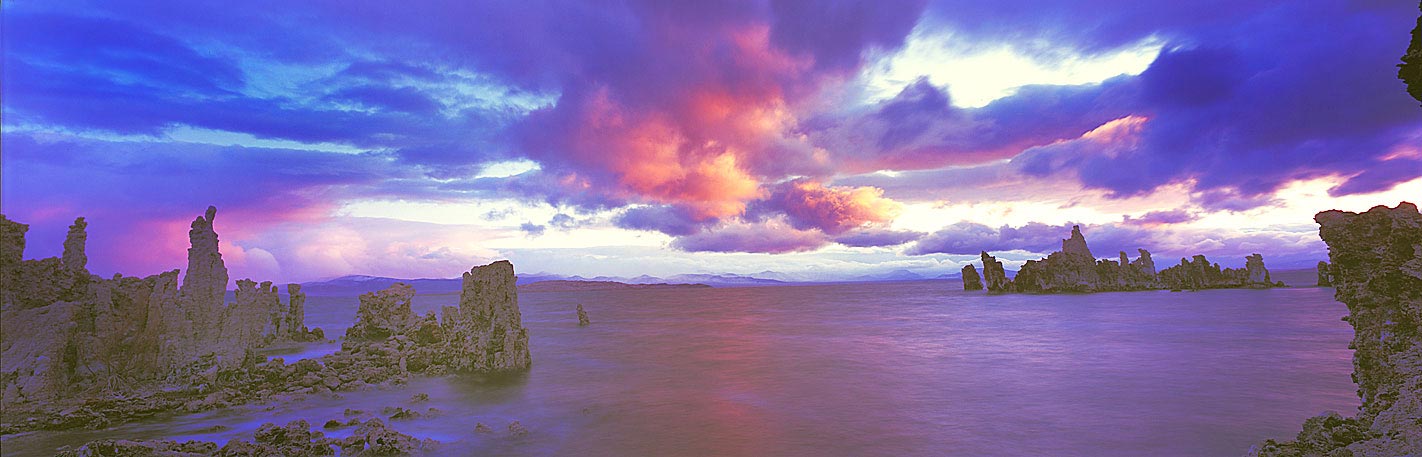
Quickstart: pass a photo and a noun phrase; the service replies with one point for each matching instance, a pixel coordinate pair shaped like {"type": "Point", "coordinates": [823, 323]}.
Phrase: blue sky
{"type": "Point", "coordinates": [819, 139]}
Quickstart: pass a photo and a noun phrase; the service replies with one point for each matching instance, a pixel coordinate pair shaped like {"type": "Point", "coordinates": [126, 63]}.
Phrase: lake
{"type": "Point", "coordinates": [866, 369]}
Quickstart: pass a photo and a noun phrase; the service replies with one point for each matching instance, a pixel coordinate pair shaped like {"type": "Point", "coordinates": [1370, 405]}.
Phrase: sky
{"type": "Point", "coordinates": [820, 140]}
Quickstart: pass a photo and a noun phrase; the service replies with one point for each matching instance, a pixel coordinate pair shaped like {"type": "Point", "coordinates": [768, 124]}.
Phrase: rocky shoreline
{"type": "Point", "coordinates": [1074, 269]}
{"type": "Point", "coordinates": [1376, 270]}
{"type": "Point", "coordinates": [109, 351]}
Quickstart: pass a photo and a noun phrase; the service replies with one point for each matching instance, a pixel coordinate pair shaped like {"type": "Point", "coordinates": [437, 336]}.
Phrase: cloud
{"type": "Point", "coordinates": [864, 238]}
{"type": "Point", "coordinates": [833, 210]}
{"type": "Point", "coordinates": [771, 236]}
{"type": "Point", "coordinates": [533, 229]}
{"type": "Point", "coordinates": [1174, 216]}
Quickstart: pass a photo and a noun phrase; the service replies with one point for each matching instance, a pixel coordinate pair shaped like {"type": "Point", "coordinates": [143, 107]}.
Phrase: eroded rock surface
{"type": "Point", "coordinates": [1376, 267]}
{"type": "Point", "coordinates": [994, 276]}
{"type": "Point", "coordinates": [1074, 269]}
{"type": "Point", "coordinates": [296, 438]}
{"type": "Point", "coordinates": [971, 280]}
{"type": "Point", "coordinates": [1325, 277]}
{"type": "Point", "coordinates": [71, 337]}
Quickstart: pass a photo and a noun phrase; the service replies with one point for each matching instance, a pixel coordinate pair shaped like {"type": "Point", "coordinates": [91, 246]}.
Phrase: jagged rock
{"type": "Point", "coordinates": [1198, 273]}
{"type": "Point", "coordinates": [994, 276]}
{"type": "Point", "coordinates": [1075, 245]}
{"type": "Point", "coordinates": [1410, 70]}
{"type": "Point", "coordinates": [374, 438]}
{"type": "Point", "coordinates": [383, 314]}
{"type": "Point", "coordinates": [1258, 275]}
{"type": "Point", "coordinates": [483, 334]}
{"type": "Point", "coordinates": [205, 279]}
{"type": "Point", "coordinates": [971, 280]}
{"type": "Point", "coordinates": [583, 320]}
{"type": "Point", "coordinates": [71, 338]}
{"type": "Point", "coordinates": [74, 258]}
{"type": "Point", "coordinates": [487, 329]}
{"type": "Point", "coordinates": [1073, 269]}
{"type": "Point", "coordinates": [1325, 278]}
{"type": "Point", "coordinates": [154, 448]}
{"type": "Point", "coordinates": [1376, 268]}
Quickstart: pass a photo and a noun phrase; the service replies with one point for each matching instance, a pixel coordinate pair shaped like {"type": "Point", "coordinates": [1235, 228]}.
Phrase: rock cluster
{"type": "Point", "coordinates": [484, 333]}
{"type": "Point", "coordinates": [371, 438]}
{"type": "Point", "coordinates": [1377, 272]}
{"type": "Point", "coordinates": [971, 280]}
{"type": "Point", "coordinates": [1325, 277]}
{"type": "Point", "coordinates": [69, 335]}
{"type": "Point", "coordinates": [583, 320]}
{"type": "Point", "coordinates": [1075, 269]}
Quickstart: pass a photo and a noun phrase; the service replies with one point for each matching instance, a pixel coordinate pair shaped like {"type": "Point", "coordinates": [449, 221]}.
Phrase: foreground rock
{"type": "Point", "coordinates": [296, 438]}
{"type": "Point", "coordinates": [1377, 272]}
{"type": "Point", "coordinates": [483, 334]}
{"type": "Point", "coordinates": [583, 320]}
{"type": "Point", "coordinates": [1075, 269]}
{"type": "Point", "coordinates": [1325, 277]}
{"type": "Point", "coordinates": [70, 337]}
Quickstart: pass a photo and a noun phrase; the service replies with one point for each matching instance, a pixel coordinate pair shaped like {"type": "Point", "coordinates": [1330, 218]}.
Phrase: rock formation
{"type": "Point", "coordinates": [1325, 278]}
{"type": "Point", "coordinates": [1376, 260]}
{"type": "Point", "coordinates": [205, 280]}
{"type": "Point", "coordinates": [583, 320]}
{"type": "Point", "coordinates": [994, 276]}
{"type": "Point", "coordinates": [1410, 70]}
{"type": "Point", "coordinates": [69, 334]}
{"type": "Point", "coordinates": [971, 280]}
{"type": "Point", "coordinates": [74, 258]}
{"type": "Point", "coordinates": [488, 327]}
{"type": "Point", "coordinates": [1198, 273]}
{"type": "Point", "coordinates": [483, 334]}
{"type": "Point", "coordinates": [1074, 269]}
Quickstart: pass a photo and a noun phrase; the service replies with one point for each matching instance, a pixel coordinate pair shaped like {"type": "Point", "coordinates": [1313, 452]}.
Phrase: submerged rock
{"type": "Point", "coordinates": [583, 320]}
{"type": "Point", "coordinates": [971, 280]}
{"type": "Point", "coordinates": [1376, 268]}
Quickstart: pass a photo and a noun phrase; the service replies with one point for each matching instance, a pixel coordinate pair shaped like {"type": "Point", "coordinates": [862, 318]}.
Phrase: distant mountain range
{"type": "Point", "coordinates": [359, 284]}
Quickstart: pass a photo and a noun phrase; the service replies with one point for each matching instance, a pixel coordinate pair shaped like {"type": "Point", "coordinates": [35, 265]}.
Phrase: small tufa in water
{"type": "Point", "coordinates": [583, 320]}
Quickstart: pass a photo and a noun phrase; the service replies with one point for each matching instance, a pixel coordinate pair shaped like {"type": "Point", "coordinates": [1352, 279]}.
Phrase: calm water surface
{"type": "Point", "coordinates": [917, 368]}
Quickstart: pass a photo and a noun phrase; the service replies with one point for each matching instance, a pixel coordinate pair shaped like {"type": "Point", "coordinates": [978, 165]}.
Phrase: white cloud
{"type": "Point", "coordinates": [977, 74]}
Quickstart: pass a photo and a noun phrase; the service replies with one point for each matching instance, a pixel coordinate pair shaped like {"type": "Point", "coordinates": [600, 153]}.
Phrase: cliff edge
{"type": "Point", "coordinates": [1376, 270]}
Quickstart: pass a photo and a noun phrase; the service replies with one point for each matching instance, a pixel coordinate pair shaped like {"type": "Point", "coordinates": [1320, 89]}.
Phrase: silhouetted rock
{"type": "Point", "coordinates": [1410, 70]}
{"type": "Point", "coordinates": [1325, 278]}
{"type": "Point", "coordinates": [971, 280]}
{"type": "Point", "coordinates": [583, 320]}
{"type": "Point", "coordinates": [1073, 269]}
{"type": "Point", "coordinates": [1376, 267]}
{"type": "Point", "coordinates": [994, 276]}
